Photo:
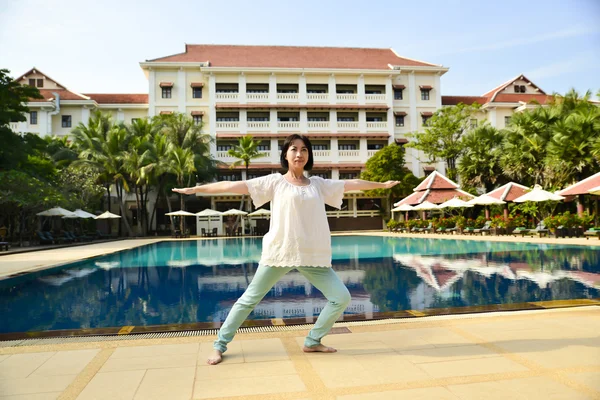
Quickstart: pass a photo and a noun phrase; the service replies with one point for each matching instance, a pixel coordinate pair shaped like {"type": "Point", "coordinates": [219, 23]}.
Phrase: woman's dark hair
{"type": "Point", "coordinates": [286, 146]}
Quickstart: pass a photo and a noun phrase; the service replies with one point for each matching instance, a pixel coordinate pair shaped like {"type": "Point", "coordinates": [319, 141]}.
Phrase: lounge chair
{"type": "Point", "coordinates": [468, 231]}
{"type": "Point", "coordinates": [485, 229]}
{"type": "Point", "coordinates": [215, 232]}
{"type": "Point", "coordinates": [4, 246]}
{"type": "Point", "coordinates": [428, 229]}
{"type": "Point", "coordinates": [45, 237]}
{"type": "Point", "coordinates": [539, 230]}
{"type": "Point", "coordinates": [594, 232]}
{"type": "Point", "coordinates": [452, 230]}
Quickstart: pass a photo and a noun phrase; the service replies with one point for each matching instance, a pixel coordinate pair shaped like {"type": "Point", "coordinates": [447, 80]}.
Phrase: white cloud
{"type": "Point", "coordinates": [580, 62]}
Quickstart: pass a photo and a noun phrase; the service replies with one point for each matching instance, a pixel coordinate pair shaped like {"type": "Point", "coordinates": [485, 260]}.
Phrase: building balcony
{"type": "Point", "coordinates": [347, 125]}
{"type": "Point", "coordinates": [257, 97]}
{"type": "Point", "coordinates": [225, 157]}
{"type": "Point", "coordinates": [322, 155]}
{"type": "Point", "coordinates": [288, 125]}
{"type": "Point", "coordinates": [377, 126]}
{"type": "Point", "coordinates": [349, 155]}
{"type": "Point", "coordinates": [318, 125]}
{"type": "Point", "coordinates": [347, 98]}
{"type": "Point", "coordinates": [371, 153]}
{"type": "Point", "coordinates": [317, 97]}
{"type": "Point", "coordinates": [258, 125]}
{"type": "Point", "coordinates": [353, 213]}
{"type": "Point", "coordinates": [287, 97]}
{"type": "Point", "coordinates": [228, 125]}
{"type": "Point", "coordinates": [375, 98]}
{"type": "Point", "coordinates": [228, 97]}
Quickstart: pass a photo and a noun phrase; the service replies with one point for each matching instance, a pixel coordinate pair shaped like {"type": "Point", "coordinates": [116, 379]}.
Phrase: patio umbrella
{"type": "Point", "coordinates": [455, 203]}
{"type": "Point", "coordinates": [403, 207]}
{"type": "Point", "coordinates": [538, 194]}
{"type": "Point", "coordinates": [235, 211]}
{"type": "Point", "coordinates": [55, 212]}
{"type": "Point", "coordinates": [595, 191]}
{"type": "Point", "coordinates": [181, 213]}
{"type": "Point", "coordinates": [485, 200]}
{"type": "Point", "coordinates": [107, 215]}
{"type": "Point", "coordinates": [209, 213]}
{"type": "Point", "coordinates": [426, 206]}
{"type": "Point", "coordinates": [261, 212]}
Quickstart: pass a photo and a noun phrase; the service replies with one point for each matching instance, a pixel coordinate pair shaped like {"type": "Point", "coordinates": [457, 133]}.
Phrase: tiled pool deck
{"type": "Point", "coordinates": [539, 354]}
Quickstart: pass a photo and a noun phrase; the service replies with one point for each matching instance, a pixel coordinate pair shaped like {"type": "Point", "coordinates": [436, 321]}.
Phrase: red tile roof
{"type": "Point", "coordinates": [118, 98]}
{"type": "Point", "coordinates": [63, 93]}
{"type": "Point", "coordinates": [509, 192]}
{"type": "Point", "coordinates": [435, 180]}
{"type": "Point", "coordinates": [437, 196]}
{"type": "Point", "coordinates": [581, 187]}
{"type": "Point", "coordinates": [291, 57]}
{"type": "Point", "coordinates": [518, 97]}
{"type": "Point", "coordinates": [468, 100]}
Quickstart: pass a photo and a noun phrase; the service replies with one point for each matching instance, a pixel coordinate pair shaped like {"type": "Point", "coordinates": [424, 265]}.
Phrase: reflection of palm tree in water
{"type": "Point", "coordinates": [390, 285]}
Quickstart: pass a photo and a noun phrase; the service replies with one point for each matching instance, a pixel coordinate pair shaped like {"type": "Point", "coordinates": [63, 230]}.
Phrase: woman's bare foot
{"type": "Point", "coordinates": [215, 358]}
{"type": "Point", "coordinates": [318, 349]}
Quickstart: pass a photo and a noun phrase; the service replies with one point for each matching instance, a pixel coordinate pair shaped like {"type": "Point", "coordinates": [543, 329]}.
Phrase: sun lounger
{"type": "Point", "coordinates": [592, 232]}
{"type": "Point", "coordinates": [485, 229]}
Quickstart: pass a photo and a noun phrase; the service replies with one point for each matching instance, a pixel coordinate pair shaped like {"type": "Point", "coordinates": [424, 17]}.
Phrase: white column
{"type": "Point", "coordinates": [333, 121]}
{"type": "Point", "coordinates": [212, 113]}
{"type": "Point", "coordinates": [361, 90]}
{"type": "Point", "coordinates": [389, 100]}
{"type": "Point", "coordinates": [414, 122]}
{"type": "Point", "coordinates": [43, 122]}
{"type": "Point", "coordinates": [332, 91]}
{"type": "Point", "coordinates": [302, 89]}
{"type": "Point", "coordinates": [182, 90]}
{"type": "Point", "coordinates": [303, 120]}
{"type": "Point", "coordinates": [272, 89]}
{"type": "Point", "coordinates": [492, 117]}
{"type": "Point", "coordinates": [151, 93]}
{"type": "Point", "coordinates": [335, 173]}
{"type": "Point", "coordinates": [242, 89]}
{"type": "Point", "coordinates": [354, 207]}
{"type": "Point", "coordinates": [438, 91]}
{"type": "Point", "coordinates": [362, 121]}
{"type": "Point", "coordinates": [274, 151]}
{"type": "Point", "coordinates": [85, 114]}
{"type": "Point", "coordinates": [334, 151]}
{"type": "Point", "coordinates": [244, 121]}
{"type": "Point", "coordinates": [273, 121]}
{"type": "Point", "coordinates": [362, 150]}
{"type": "Point", "coordinates": [244, 177]}
{"type": "Point", "coordinates": [120, 115]}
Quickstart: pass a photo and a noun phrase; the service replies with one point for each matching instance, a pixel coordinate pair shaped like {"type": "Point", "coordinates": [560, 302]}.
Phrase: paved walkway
{"type": "Point", "coordinates": [549, 354]}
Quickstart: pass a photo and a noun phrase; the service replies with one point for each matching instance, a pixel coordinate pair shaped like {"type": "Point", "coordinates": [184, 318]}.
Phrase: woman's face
{"type": "Point", "coordinates": [297, 154]}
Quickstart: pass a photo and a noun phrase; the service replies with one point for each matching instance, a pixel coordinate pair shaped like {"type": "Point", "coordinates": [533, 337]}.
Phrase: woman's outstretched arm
{"type": "Point", "coordinates": [238, 187]}
{"type": "Point", "coordinates": [359, 184]}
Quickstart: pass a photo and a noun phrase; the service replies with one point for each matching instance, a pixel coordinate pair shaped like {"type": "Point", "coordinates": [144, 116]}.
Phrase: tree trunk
{"type": "Point", "coordinates": [169, 207]}
{"type": "Point", "coordinates": [122, 209]}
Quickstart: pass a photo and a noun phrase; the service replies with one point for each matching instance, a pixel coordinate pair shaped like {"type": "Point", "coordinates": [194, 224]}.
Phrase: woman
{"type": "Point", "coordinates": [298, 238]}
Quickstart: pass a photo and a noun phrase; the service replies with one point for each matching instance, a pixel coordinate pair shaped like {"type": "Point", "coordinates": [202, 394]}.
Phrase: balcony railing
{"type": "Point", "coordinates": [354, 154]}
{"type": "Point", "coordinates": [347, 97]}
{"type": "Point", "coordinates": [227, 97]}
{"type": "Point", "coordinates": [347, 125]}
{"type": "Point", "coordinates": [324, 155]}
{"type": "Point", "coordinates": [287, 125]}
{"type": "Point", "coordinates": [376, 126]}
{"type": "Point", "coordinates": [225, 157]}
{"type": "Point", "coordinates": [228, 125]}
{"type": "Point", "coordinates": [258, 125]}
{"type": "Point", "coordinates": [350, 213]}
{"type": "Point", "coordinates": [371, 153]}
{"type": "Point", "coordinates": [318, 125]}
{"type": "Point", "coordinates": [287, 97]}
{"type": "Point", "coordinates": [317, 97]}
{"type": "Point", "coordinates": [375, 98]}
{"type": "Point", "coordinates": [257, 97]}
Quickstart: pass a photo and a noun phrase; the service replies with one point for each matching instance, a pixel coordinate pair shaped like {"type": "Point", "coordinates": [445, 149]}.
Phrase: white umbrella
{"type": "Point", "coordinates": [181, 213]}
{"type": "Point", "coordinates": [426, 205]}
{"type": "Point", "coordinates": [261, 212]}
{"type": "Point", "coordinates": [234, 211]}
{"type": "Point", "coordinates": [403, 207]}
{"type": "Point", "coordinates": [455, 202]}
{"type": "Point", "coordinates": [485, 200]}
{"type": "Point", "coordinates": [595, 191]}
{"type": "Point", "coordinates": [106, 265]}
{"type": "Point", "coordinates": [208, 213]}
{"type": "Point", "coordinates": [79, 213]}
{"type": "Point", "coordinates": [538, 194]}
{"type": "Point", "coordinates": [55, 212]}
{"type": "Point", "coordinates": [107, 215]}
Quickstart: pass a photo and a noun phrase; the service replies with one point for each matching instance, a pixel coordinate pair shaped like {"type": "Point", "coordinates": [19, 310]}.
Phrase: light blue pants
{"type": "Point", "coordinates": [324, 279]}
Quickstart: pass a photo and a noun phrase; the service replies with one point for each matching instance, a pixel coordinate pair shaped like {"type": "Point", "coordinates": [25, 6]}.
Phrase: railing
{"type": "Point", "coordinates": [233, 97]}
{"type": "Point", "coordinates": [258, 124]}
{"type": "Point", "coordinates": [343, 125]}
{"type": "Point", "coordinates": [347, 98]}
{"type": "Point", "coordinates": [371, 153]}
{"type": "Point", "coordinates": [375, 98]}
{"type": "Point", "coordinates": [293, 97]}
{"type": "Point", "coordinates": [350, 213]}
{"type": "Point", "coordinates": [288, 125]}
{"type": "Point", "coordinates": [377, 125]}
{"type": "Point", "coordinates": [259, 97]}
{"type": "Point", "coordinates": [224, 156]}
{"type": "Point", "coordinates": [15, 126]}
{"type": "Point", "coordinates": [348, 153]}
{"type": "Point", "coordinates": [318, 124]}
{"type": "Point", "coordinates": [322, 154]}
{"type": "Point", "coordinates": [228, 125]}
{"type": "Point", "coordinates": [317, 97]}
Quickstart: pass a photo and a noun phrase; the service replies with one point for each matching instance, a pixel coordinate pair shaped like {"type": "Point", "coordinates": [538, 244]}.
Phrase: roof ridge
{"type": "Point", "coordinates": [278, 45]}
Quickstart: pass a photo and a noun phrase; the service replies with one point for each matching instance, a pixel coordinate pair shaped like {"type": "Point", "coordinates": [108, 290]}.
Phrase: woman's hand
{"type": "Point", "coordinates": [185, 190]}
{"type": "Point", "coordinates": [390, 184]}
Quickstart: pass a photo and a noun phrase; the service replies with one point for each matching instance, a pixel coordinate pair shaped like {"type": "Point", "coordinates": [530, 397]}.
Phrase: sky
{"type": "Point", "coordinates": [96, 46]}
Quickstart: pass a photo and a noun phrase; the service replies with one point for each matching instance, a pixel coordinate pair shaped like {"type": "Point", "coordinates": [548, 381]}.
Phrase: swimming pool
{"type": "Point", "coordinates": [180, 282]}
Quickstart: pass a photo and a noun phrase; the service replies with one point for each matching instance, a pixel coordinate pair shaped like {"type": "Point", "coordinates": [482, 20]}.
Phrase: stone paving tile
{"type": "Point", "coordinates": [22, 365]}
{"type": "Point", "coordinates": [476, 366]}
{"type": "Point", "coordinates": [167, 383]}
{"type": "Point", "coordinates": [590, 379]}
{"type": "Point", "coordinates": [557, 353]}
{"type": "Point", "coordinates": [153, 362]}
{"type": "Point", "coordinates": [36, 396]}
{"type": "Point", "coordinates": [447, 354]}
{"type": "Point", "coordinates": [66, 363]}
{"type": "Point", "coordinates": [120, 385]}
{"type": "Point", "coordinates": [204, 389]}
{"type": "Point", "coordinates": [157, 350]}
{"type": "Point", "coordinates": [264, 350]}
{"type": "Point", "coordinates": [438, 393]}
{"type": "Point", "coordinates": [35, 384]}
{"type": "Point", "coordinates": [256, 369]}
{"type": "Point", "coordinates": [234, 354]}
{"type": "Point", "coordinates": [535, 388]}
{"type": "Point", "coordinates": [391, 367]}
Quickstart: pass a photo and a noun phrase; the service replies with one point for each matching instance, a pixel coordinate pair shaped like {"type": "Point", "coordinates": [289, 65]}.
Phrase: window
{"type": "Point", "coordinates": [374, 119]}
{"type": "Point", "coordinates": [226, 90]}
{"type": "Point", "coordinates": [316, 91]}
{"type": "Point", "coordinates": [424, 94]}
{"type": "Point", "coordinates": [258, 119]}
{"type": "Point", "coordinates": [224, 147]}
{"type": "Point", "coordinates": [40, 83]}
{"type": "Point", "coordinates": [425, 119]}
{"type": "Point", "coordinates": [32, 82]}
{"type": "Point", "coordinates": [228, 119]}
{"type": "Point", "coordinates": [287, 119]}
{"type": "Point", "coordinates": [320, 147]}
{"type": "Point", "coordinates": [373, 92]}
{"type": "Point", "coordinates": [375, 146]}
{"type": "Point", "coordinates": [66, 121]}
{"type": "Point", "coordinates": [33, 118]}
{"type": "Point", "coordinates": [506, 121]}
{"type": "Point", "coordinates": [324, 175]}
{"type": "Point", "coordinates": [400, 120]}
{"type": "Point", "coordinates": [348, 175]}
{"type": "Point", "coordinates": [197, 119]}
{"type": "Point", "coordinates": [523, 89]}
{"type": "Point", "coordinates": [520, 89]}
{"type": "Point", "coordinates": [263, 147]}
{"type": "Point", "coordinates": [317, 119]}
{"type": "Point", "coordinates": [197, 93]}
{"type": "Point", "coordinates": [473, 123]}
{"type": "Point", "coordinates": [166, 93]}
{"type": "Point", "coordinates": [230, 178]}
{"type": "Point", "coordinates": [345, 119]}
{"type": "Point", "coordinates": [350, 146]}
{"type": "Point", "coordinates": [397, 94]}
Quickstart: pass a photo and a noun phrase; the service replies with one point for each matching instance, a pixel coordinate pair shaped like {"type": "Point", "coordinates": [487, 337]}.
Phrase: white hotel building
{"type": "Point", "coordinates": [349, 101]}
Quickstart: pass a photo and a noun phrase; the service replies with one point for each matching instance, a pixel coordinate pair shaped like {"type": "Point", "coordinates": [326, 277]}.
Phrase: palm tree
{"type": "Point", "coordinates": [181, 163]}
{"type": "Point", "coordinates": [480, 163]}
{"type": "Point", "coordinates": [245, 151]}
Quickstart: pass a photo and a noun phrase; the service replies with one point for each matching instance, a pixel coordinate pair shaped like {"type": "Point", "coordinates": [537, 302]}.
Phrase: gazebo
{"type": "Point", "coordinates": [581, 188]}
{"type": "Point", "coordinates": [508, 192]}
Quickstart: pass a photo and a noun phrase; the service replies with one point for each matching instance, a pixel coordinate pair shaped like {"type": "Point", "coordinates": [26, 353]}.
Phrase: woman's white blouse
{"type": "Point", "coordinates": [298, 233]}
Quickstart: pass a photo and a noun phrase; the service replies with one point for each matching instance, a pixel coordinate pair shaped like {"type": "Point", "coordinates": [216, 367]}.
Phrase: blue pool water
{"type": "Point", "coordinates": [198, 281]}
